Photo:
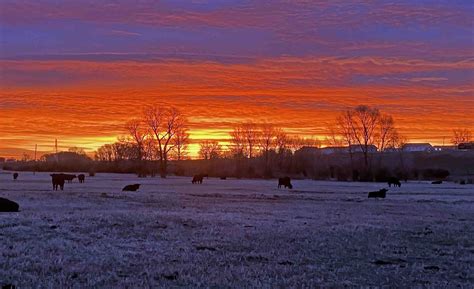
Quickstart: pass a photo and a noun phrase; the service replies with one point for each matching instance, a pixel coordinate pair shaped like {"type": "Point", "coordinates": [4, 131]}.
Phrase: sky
{"type": "Point", "coordinates": [76, 70]}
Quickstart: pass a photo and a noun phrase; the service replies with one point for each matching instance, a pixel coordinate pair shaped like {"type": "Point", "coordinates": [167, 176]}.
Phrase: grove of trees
{"type": "Point", "coordinates": [161, 134]}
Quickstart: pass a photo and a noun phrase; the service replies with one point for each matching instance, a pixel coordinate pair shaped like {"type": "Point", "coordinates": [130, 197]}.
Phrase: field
{"type": "Point", "coordinates": [234, 234]}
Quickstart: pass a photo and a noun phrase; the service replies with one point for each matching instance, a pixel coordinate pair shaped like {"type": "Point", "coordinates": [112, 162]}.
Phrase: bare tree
{"type": "Point", "coordinates": [76, 150]}
{"type": "Point", "coordinates": [164, 123]}
{"type": "Point", "coordinates": [149, 149]}
{"type": "Point", "coordinates": [250, 133]}
{"type": "Point", "coordinates": [282, 141]}
{"type": "Point", "coordinates": [135, 128]}
{"type": "Point", "coordinates": [210, 149]}
{"type": "Point", "coordinates": [461, 136]}
{"type": "Point", "coordinates": [180, 143]}
{"type": "Point", "coordinates": [362, 122]}
{"type": "Point", "coordinates": [105, 153]}
{"type": "Point", "coordinates": [334, 136]}
{"type": "Point", "coordinates": [238, 142]}
{"type": "Point", "coordinates": [344, 129]}
{"type": "Point", "coordinates": [387, 131]}
{"type": "Point", "coordinates": [267, 139]}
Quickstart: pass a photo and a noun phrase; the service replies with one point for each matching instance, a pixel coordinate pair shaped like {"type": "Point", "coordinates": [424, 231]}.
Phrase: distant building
{"type": "Point", "coordinates": [360, 149]}
{"type": "Point", "coordinates": [466, 146]}
{"type": "Point", "coordinates": [418, 147]}
{"type": "Point", "coordinates": [308, 151]}
{"type": "Point", "coordinates": [444, 148]}
{"type": "Point", "coordinates": [334, 150]}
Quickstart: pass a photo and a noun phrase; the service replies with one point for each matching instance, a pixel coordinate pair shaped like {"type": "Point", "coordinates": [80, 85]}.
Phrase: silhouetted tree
{"type": "Point", "coordinates": [77, 150]}
{"type": "Point", "coordinates": [250, 134]}
{"type": "Point", "coordinates": [180, 143]}
{"type": "Point", "coordinates": [164, 123]}
{"type": "Point", "coordinates": [210, 149]}
{"type": "Point", "coordinates": [238, 142]}
{"type": "Point", "coordinates": [361, 124]}
{"type": "Point", "coordinates": [137, 132]}
{"type": "Point", "coordinates": [461, 136]}
{"type": "Point", "coordinates": [387, 132]}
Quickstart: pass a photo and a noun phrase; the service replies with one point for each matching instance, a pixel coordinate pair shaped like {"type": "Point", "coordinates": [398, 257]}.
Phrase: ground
{"type": "Point", "coordinates": [234, 234]}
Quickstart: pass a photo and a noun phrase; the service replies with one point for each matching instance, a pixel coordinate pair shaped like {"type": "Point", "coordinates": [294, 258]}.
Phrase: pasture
{"type": "Point", "coordinates": [234, 234]}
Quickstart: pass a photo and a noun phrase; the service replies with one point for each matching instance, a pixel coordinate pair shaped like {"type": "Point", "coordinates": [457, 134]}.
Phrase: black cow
{"type": "Point", "coordinates": [81, 178]}
{"type": "Point", "coordinates": [223, 178]}
{"type": "Point", "coordinates": [285, 182]}
{"type": "Point", "coordinates": [15, 176]}
{"type": "Point", "coordinates": [69, 178]}
{"type": "Point", "coordinates": [395, 182]}
{"type": "Point", "coordinates": [8, 206]}
{"type": "Point", "coordinates": [58, 181]}
{"type": "Point", "coordinates": [437, 182]}
{"type": "Point", "coordinates": [378, 194]}
{"type": "Point", "coordinates": [131, 188]}
{"type": "Point", "coordinates": [197, 179]}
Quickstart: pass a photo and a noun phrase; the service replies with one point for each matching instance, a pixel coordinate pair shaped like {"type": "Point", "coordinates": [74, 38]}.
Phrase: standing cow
{"type": "Point", "coordinates": [81, 178]}
{"type": "Point", "coordinates": [58, 181]}
{"type": "Point", "coordinates": [285, 182]}
{"type": "Point", "coordinates": [395, 182]}
{"type": "Point", "coordinates": [69, 178]}
{"type": "Point", "coordinates": [197, 179]}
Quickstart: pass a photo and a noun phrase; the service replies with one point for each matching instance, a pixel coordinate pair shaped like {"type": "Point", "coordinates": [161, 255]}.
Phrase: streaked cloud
{"type": "Point", "coordinates": [76, 70]}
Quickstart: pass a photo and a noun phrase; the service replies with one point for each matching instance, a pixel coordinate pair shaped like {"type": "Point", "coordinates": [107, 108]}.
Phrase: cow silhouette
{"type": "Point", "coordinates": [197, 179]}
{"type": "Point", "coordinates": [15, 176]}
{"type": "Point", "coordinates": [285, 182]}
{"type": "Point", "coordinates": [81, 178]}
{"type": "Point", "coordinates": [394, 181]}
{"type": "Point", "coordinates": [437, 182]}
{"type": "Point", "coordinates": [8, 206]}
{"type": "Point", "coordinates": [131, 188]}
{"type": "Point", "coordinates": [58, 181]}
{"type": "Point", "coordinates": [69, 178]}
{"type": "Point", "coordinates": [378, 194]}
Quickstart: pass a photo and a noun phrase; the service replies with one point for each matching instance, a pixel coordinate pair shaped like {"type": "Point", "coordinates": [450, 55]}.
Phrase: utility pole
{"type": "Point", "coordinates": [36, 150]}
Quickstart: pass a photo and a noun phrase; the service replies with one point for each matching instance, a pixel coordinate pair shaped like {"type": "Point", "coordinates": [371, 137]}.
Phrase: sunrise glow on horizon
{"type": "Point", "coordinates": [76, 71]}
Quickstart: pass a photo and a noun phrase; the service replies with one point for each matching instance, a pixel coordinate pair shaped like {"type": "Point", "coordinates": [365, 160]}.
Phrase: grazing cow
{"type": "Point", "coordinates": [378, 194]}
{"type": "Point", "coordinates": [395, 182]}
{"type": "Point", "coordinates": [285, 182]}
{"type": "Point", "coordinates": [81, 178]}
{"type": "Point", "coordinates": [8, 206]}
{"type": "Point", "coordinates": [131, 188]}
{"type": "Point", "coordinates": [197, 179]}
{"type": "Point", "coordinates": [58, 181]}
{"type": "Point", "coordinates": [437, 182]}
{"type": "Point", "coordinates": [15, 176]}
{"type": "Point", "coordinates": [69, 178]}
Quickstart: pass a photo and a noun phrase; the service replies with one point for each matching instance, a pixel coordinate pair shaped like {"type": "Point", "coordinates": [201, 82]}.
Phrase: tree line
{"type": "Point", "coordinates": [161, 134]}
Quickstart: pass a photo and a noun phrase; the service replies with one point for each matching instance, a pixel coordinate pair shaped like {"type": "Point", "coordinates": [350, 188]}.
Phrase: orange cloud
{"type": "Point", "coordinates": [91, 103]}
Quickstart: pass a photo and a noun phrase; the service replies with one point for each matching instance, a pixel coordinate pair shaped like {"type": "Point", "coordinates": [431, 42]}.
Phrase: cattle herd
{"type": "Point", "coordinates": [58, 181]}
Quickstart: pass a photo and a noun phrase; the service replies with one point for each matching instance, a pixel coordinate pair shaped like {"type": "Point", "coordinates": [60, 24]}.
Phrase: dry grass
{"type": "Point", "coordinates": [234, 233]}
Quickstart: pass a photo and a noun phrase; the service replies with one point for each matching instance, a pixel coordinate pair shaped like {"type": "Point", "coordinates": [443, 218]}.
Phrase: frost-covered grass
{"type": "Point", "coordinates": [234, 234]}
